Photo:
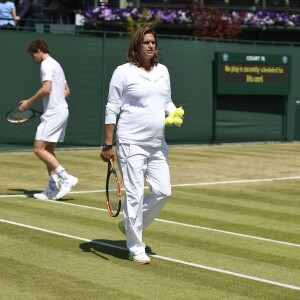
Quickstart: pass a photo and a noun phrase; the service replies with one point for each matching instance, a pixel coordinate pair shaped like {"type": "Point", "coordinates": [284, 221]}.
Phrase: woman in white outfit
{"type": "Point", "coordinates": [140, 93]}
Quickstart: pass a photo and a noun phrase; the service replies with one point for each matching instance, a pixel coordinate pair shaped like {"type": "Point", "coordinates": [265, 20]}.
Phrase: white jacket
{"type": "Point", "coordinates": [142, 99]}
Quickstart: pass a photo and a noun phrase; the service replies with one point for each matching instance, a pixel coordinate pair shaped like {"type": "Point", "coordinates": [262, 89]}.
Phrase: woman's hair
{"type": "Point", "coordinates": [135, 44]}
{"type": "Point", "coordinates": [38, 44]}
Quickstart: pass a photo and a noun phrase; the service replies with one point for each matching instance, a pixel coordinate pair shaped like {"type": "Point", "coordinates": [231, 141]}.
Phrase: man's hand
{"type": "Point", "coordinates": [25, 104]}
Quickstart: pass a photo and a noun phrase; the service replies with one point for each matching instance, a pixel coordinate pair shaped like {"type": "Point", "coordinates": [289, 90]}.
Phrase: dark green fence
{"type": "Point", "coordinates": [89, 61]}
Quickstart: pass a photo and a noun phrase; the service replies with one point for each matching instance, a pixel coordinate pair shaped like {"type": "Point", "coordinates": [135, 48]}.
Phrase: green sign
{"type": "Point", "coordinates": [252, 74]}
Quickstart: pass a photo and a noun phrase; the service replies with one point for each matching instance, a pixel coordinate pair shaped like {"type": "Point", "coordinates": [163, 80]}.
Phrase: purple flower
{"type": "Point", "coordinates": [182, 16]}
{"type": "Point", "coordinates": [112, 14]}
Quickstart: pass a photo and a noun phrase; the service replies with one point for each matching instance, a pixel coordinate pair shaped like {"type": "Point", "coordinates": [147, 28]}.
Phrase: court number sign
{"type": "Point", "coordinates": [252, 74]}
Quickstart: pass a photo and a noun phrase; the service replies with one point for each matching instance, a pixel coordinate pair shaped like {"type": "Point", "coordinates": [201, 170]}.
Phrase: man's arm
{"type": "Point", "coordinates": [45, 90]}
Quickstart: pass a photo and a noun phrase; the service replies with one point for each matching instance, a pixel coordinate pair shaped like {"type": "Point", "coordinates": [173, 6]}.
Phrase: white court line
{"type": "Point", "coordinates": [179, 224]}
{"type": "Point", "coordinates": [237, 181]}
{"type": "Point", "coordinates": [186, 184]}
{"type": "Point", "coordinates": [231, 233]}
{"type": "Point", "coordinates": [288, 286]}
{"type": "Point", "coordinates": [183, 224]}
{"type": "Point", "coordinates": [209, 183]}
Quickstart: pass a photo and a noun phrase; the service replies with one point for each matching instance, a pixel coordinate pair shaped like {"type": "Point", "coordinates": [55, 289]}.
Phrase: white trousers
{"type": "Point", "coordinates": [137, 164]}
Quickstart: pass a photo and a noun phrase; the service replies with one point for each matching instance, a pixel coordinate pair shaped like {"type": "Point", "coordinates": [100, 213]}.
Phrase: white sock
{"type": "Point", "coordinates": [54, 181]}
{"type": "Point", "coordinates": [61, 172]}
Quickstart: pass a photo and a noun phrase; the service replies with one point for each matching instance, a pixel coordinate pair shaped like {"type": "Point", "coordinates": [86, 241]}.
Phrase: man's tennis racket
{"type": "Point", "coordinates": [16, 116]}
{"type": "Point", "coordinates": [113, 190]}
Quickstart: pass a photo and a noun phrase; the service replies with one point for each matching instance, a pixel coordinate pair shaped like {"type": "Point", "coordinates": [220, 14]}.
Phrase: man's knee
{"type": "Point", "coordinates": [37, 151]}
{"type": "Point", "coordinates": [38, 148]}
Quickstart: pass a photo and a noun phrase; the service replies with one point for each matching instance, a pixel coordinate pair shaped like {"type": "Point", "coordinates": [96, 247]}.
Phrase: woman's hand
{"type": "Point", "coordinates": [107, 154]}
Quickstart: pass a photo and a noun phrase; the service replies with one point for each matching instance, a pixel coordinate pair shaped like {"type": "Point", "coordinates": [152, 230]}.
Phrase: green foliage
{"type": "Point", "coordinates": [142, 19]}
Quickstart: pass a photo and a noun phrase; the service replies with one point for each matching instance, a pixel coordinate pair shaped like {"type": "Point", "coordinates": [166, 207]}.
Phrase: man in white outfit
{"type": "Point", "coordinates": [140, 93]}
{"type": "Point", "coordinates": [53, 92]}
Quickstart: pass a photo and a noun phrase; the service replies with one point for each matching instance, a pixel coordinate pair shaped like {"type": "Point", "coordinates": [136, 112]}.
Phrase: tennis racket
{"type": "Point", "coordinates": [113, 190]}
{"type": "Point", "coordinates": [16, 116]}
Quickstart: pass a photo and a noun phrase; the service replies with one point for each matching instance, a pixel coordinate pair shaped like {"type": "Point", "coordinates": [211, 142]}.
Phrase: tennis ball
{"type": "Point", "coordinates": [179, 112]}
{"type": "Point", "coordinates": [177, 121]}
{"type": "Point", "coordinates": [172, 114]}
{"type": "Point", "coordinates": [169, 121]}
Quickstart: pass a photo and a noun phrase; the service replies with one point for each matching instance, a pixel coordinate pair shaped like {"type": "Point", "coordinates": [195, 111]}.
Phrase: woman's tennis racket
{"type": "Point", "coordinates": [113, 190]}
{"type": "Point", "coordinates": [16, 116]}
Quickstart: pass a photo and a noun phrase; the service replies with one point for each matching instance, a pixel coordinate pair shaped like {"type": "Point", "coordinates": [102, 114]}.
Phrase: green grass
{"type": "Point", "coordinates": [225, 218]}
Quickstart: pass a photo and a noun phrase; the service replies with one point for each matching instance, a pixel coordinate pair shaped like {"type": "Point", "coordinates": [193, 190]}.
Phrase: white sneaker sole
{"type": "Point", "coordinates": [42, 196]}
{"type": "Point", "coordinates": [62, 193]}
{"type": "Point", "coordinates": [145, 261]}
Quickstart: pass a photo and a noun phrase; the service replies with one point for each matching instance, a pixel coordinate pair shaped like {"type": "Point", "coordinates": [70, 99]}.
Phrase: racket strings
{"type": "Point", "coordinates": [113, 193]}
{"type": "Point", "coordinates": [16, 115]}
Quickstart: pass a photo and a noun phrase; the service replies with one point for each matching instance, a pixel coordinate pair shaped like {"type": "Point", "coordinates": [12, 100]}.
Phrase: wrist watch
{"type": "Point", "coordinates": [107, 147]}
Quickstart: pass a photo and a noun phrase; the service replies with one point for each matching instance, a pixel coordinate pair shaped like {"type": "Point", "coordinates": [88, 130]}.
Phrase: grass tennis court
{"type": "Point", "coordinates": [231, 229]}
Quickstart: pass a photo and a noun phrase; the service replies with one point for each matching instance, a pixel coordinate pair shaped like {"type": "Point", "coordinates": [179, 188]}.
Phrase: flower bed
{"type": "Point", "coordinates": [186, 17]}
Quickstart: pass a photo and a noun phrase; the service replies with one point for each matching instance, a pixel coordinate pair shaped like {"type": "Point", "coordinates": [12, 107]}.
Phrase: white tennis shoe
{"type": "Point", "coordinates": [49, 193]}
{"type": "Point", "coordinates": [66, 186]}
{"type": "Point", "coordinates": [142, 259]}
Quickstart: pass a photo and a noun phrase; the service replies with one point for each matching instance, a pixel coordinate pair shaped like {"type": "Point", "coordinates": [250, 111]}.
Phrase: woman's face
{"type": "Point", "coordinates": [148, 47]}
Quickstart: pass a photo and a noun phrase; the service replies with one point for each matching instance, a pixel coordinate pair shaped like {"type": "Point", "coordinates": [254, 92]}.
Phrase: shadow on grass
{"type": "Point", "coordinates": [30, 193]}
{"type": "Point", "coordinates": [27, 193]}
{"type": "Point", "coordinates": [108, 247]}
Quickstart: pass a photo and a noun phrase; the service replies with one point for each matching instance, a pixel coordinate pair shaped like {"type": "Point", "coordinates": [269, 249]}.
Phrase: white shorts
{"type": "Point", "coordinates": [53, 127]}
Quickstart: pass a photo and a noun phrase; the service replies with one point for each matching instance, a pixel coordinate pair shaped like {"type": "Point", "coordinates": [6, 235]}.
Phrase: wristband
{"type": "Point", "coordinates": [107, 147]}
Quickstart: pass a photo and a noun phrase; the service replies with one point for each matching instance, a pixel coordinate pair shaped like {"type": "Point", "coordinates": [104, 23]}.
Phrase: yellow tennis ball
{"type": "Point", "coordinates": [172, 114]}
{"type": "Point", "coordinates": [179, 112]}
{"type": "Point", "coordinates": [177, 121]}
{"type": "Point", "coordinates": [169, 121]}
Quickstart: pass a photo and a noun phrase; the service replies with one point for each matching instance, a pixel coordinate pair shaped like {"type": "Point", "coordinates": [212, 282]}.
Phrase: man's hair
{"type": "Point", "coordinates": [38, 44]}
{"type": "Point", "coordinates": [136, 42]}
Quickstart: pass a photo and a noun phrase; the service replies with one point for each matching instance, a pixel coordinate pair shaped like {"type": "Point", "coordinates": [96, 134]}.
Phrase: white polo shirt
{"type": "Point", "coordinates": [52, 71]}
{"type": "Point", "coordinates": [142, 99]}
